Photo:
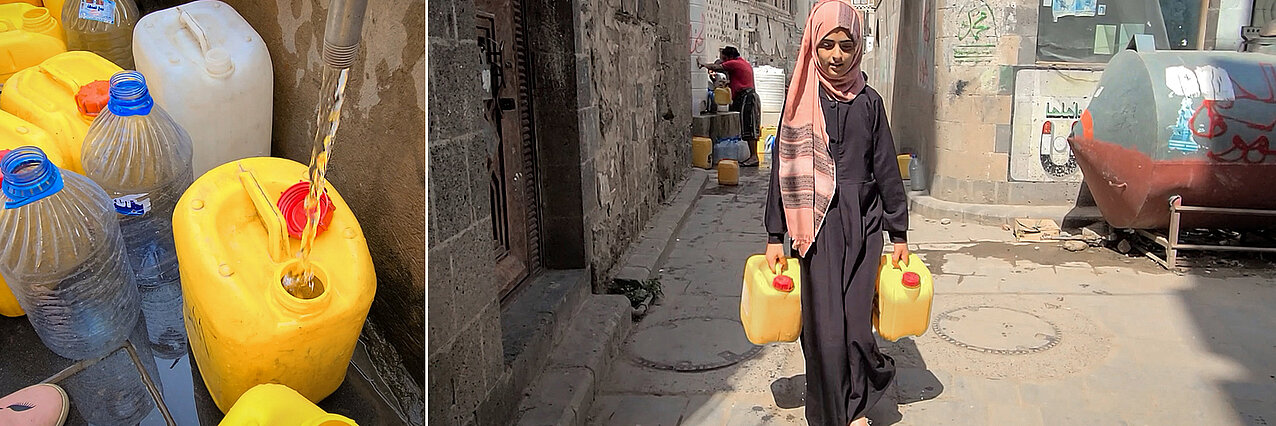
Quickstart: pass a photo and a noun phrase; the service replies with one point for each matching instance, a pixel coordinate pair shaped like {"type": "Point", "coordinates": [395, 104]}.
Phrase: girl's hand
{"type": "Point", "coordinates": [775, 255]}
{"type": "Point", "coordinates": [901, 253]}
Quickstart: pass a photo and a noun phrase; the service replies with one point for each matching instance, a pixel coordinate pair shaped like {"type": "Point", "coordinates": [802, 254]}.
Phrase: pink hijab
{"type": "Point", "coordinates": [806, 168]}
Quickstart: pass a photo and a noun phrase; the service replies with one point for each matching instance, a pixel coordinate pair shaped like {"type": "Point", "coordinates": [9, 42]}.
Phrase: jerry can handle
{"type": "Point", "coordinates": [63, 79]}
{"type": "Point", "coordinates": [217, 61]}
{"type": "Point", "coordinates": [193, 27]}
{"type": "Point", "coordinates": [270, 216]}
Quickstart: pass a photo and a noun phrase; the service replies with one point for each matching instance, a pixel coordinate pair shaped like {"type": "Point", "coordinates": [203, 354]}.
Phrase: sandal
{"type": "Point", "coordinates": [749, 163]}
{"type": "Point", "coordinates": [42, 404]}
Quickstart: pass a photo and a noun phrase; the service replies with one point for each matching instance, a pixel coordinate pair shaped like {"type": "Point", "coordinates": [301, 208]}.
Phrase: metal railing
{"type": "Point", "coordinates": [1171, 241]}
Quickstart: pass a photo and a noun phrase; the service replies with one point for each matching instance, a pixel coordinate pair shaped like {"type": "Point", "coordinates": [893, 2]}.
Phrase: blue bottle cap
{"type": "Point", "coordinates": [129, 95]}
{"type": "Point", "coordinates": [29, 176]}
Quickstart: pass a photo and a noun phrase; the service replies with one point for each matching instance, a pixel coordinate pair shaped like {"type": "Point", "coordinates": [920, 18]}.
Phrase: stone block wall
{"type": "Point", "coordinates": [465, 350]}
{"type": "Point", "coordinates": [378, 161]}
{"type": "Point", "coordinates": [635, 62]}
{"type": "Point", "coordinates": [953, 96]}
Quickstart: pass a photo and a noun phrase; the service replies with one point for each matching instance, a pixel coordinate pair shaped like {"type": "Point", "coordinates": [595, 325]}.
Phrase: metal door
{"type": "Point", "coordinates": [511, 150]}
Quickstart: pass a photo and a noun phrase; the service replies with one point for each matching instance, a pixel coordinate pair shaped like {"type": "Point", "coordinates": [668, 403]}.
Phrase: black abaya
{"type": "Point", "coordinates": [846, 373]}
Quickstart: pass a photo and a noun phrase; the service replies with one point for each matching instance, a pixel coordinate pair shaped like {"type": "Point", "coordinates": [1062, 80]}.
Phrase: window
{"type": "Point", "coordinates": [1092, 31]}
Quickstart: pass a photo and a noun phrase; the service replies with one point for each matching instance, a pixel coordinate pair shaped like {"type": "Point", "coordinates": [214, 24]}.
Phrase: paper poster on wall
{"type": "Point", "coordinates": [1062, 8]}
{"type": "Point", "coordinates": [1105, 38]}
{"type": "Point", "coordinates": [1128, 31]}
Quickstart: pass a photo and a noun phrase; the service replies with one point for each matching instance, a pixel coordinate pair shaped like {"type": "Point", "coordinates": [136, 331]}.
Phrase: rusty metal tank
{"type": "Point", "coordinates": [1198, 124]}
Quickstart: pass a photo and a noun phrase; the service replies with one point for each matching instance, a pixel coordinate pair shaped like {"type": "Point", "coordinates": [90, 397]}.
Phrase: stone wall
{"type": "Point", "coordinates": [636, 75]}
{"type": "Point", "coordinates": [378, 162]}
{"type": "Point", "coordinates": [465, 353]}
{"type": "Point", "coordinates": [953, 96]}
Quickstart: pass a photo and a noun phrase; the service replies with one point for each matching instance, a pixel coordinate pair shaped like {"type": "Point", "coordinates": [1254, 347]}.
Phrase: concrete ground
{"type": "Point", "coordinates": [112, 391]}
{"type": "Point", "coordinates": [1052, 337]}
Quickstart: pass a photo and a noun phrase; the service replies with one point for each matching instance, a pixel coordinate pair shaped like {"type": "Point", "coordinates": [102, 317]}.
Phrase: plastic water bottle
{"type": "Point", "coordinates": [916, 174]}
{"type": "Point", "coordinates": [64, 257]}
{"type": "Point", "coordinates": [142, 158]}
{"type": "Point", "coordinates": [104, 27]}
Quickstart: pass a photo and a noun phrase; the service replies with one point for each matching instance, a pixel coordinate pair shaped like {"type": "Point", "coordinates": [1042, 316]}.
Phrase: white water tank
{"type": "Point", "coordinates": [210, 70]}
{"type": "Point", "coordinates": [769, 83]}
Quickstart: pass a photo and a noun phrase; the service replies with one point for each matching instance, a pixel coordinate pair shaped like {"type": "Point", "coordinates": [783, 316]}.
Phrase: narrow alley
{"type": "Point", "coordinates": [1023, 334]}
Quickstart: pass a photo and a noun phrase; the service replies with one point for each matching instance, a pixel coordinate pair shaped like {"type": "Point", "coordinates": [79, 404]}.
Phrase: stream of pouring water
{"type": "Point", "coordinates": [304, 284]}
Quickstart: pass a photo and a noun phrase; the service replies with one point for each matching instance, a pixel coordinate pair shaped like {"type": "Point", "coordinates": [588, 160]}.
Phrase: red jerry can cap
{"type": "Point", "coordinates": [912, 280]}
{"type": "Point", "coordinates": [292, 203]}
{"type": "Point", "coordinates": [93, 97]}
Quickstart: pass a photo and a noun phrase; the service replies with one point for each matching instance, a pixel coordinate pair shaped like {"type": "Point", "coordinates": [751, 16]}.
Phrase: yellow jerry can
{"type": "Point", "coordinates": [45, 95]}
{"type": "Point", "coordinates": [16, 132]}
{"type": "Point", "coordinates": [54, 6]}
{"type": "Point", "coordinates": [9, 306]}
{"type": "Point", "coordinates": [271, 404]}
{"type": "Point", "coordinates": [903, 298]}
{"type": "Point", "coordinates": [722, 96]}
{"type": "Point", "coordinates": [28, 35]}
{"type": "Point", "coordinates": [234, 252]}
{"type": "Point", "coordinates": [771, 304]}
{"type": "Point", "coordinates": [728, 173]}
{"type": "Point", "coordinates": [903, 160]}
{"type": "Point", "coordinates": [701, 152]}
{"type": "Point", "coordinates": [767, 137]}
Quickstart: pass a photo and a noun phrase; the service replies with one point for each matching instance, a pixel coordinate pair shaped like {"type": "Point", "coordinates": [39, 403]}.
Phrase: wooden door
{"type": "Point", "coordinates": [511, 150]}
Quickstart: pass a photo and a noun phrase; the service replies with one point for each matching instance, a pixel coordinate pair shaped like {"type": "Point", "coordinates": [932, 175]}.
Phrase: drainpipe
{"type": "Point", "coordinates": [341, 35]}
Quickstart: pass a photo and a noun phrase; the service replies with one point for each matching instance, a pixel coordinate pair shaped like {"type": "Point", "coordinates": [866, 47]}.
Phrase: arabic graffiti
{"type": "Point", "coordinates": [1211, 121]}
{"type": "Point", "coordinates": [697, 39]}
{"type": "Point", "coordinates": [976, 34]}
{"type": "Point", "coordinates": [1064, 111]}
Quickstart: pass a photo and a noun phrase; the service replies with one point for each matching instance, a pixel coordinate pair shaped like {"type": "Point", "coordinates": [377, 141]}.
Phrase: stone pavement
{"type": "Point", "coordinates": [1024, 334]}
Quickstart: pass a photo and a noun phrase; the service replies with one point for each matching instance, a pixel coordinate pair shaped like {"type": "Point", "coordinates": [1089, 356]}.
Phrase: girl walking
{"type": "Point", "coordinates": [835, 186]}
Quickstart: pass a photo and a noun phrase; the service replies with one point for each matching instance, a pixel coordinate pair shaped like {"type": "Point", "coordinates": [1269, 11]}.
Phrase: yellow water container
{"type": "Point", "coordinates": [701, 152]}
{"type": "Point", "coordinates": [234, 250]}
{"type": "Point", "coordinates": [904, 160]}
{"type": "Point", "coordinates": [55, 7]}
{"type": "Point", "coordinates": [728, 173]}
{"type": "Point", "coordinates": [770, 303]}
{"type": "Point", "coordinates": [9, 306]}
{"type": "Point", "coordinates": [26, 2]}
{"type": "Point", "coordinates": [722, 96]}
{"type": "Point", "coordinates": [45, 95]}
{"type": "Point", "coordinates": [28, 36]}
{"type": "Point", "coordinates": [271, 404]}
{"type": "Point", "coordinates": [768, 132]}
{"type": "Point", "coordinates": [903, 298]}
{"type": "Point", "coordinates": [16, 132]}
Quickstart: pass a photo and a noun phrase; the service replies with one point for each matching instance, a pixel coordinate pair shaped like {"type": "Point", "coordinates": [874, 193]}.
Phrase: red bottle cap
{"type": "Point", "coordinates": [912, 280]}
{"type": "Point", "coordinates": [292, 203]}
{"type": "Point", "coordinates": [783, 283]}
{"type": "Point", "coordinates": [93, 97]}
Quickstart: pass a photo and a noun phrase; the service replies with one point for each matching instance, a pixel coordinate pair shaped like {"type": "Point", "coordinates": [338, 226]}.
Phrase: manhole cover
{"type": "Point", "coordinates": [996, 330]}
{"type": "Point", "coordinates": [692, 344]}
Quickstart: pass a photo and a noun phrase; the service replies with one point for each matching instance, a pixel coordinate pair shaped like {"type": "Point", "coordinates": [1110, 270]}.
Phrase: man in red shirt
{"type": "Point", "coordinates": [743, 98]}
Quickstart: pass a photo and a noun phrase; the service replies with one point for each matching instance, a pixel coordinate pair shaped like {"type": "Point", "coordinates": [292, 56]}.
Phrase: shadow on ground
{"type": "Point", "coordinates": [913, 383]}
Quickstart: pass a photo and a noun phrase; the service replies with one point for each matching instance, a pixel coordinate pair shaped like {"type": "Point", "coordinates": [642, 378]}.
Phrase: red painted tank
{"type": "Point", "coordinates": [1189, 123]}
